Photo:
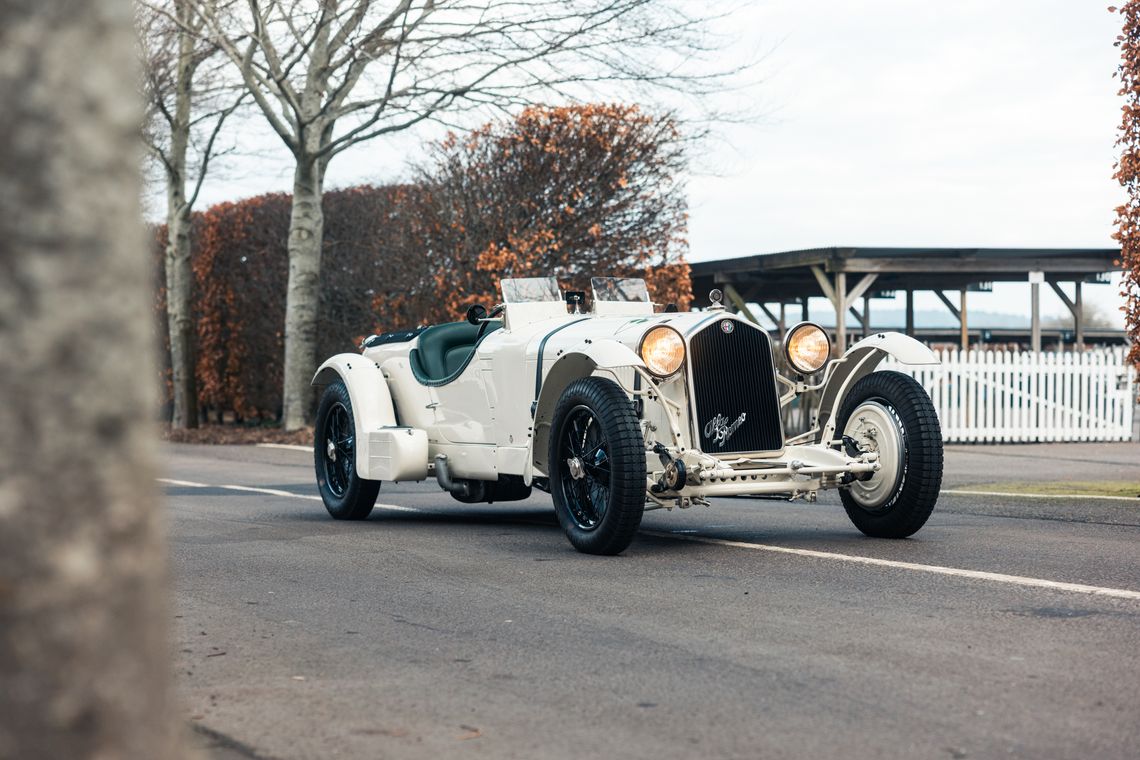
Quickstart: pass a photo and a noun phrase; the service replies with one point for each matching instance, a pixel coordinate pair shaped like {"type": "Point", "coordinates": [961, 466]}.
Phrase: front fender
{"type": "Point", "coordinates": [580, 360]}
{"type": "Point", "coordinates": [861, 360]}
{"type": "Point", "coordinates": [368, 391]}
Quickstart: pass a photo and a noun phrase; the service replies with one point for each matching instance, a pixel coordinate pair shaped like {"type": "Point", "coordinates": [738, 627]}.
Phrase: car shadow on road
{"type": "Point", "coordinates": [660, 537]}
{"type": "Point", "coordinates": [538, 517]}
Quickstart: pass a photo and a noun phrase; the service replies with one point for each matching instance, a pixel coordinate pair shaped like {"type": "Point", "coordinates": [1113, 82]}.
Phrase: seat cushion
{"type": "Point", "coordinates": [445, 350]}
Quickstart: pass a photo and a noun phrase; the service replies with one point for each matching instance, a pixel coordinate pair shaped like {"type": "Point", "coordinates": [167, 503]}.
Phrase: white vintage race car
{"type": "Point", "coordinates": [622, 409]}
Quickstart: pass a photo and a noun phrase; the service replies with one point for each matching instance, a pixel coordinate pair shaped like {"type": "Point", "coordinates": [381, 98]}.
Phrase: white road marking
{"type": "Point", "coordinates": [273, 492]}
{"type": "Point", "coordinates": [1015, 580]}
{"type": "Point", "coordinates": [286, 446]}
{"type": "Point", "coordinates": [963, 492]}
{"type": "Point", "coordinates": [270, 491]}
{"type": "Point", "coordinates": [185, 483]}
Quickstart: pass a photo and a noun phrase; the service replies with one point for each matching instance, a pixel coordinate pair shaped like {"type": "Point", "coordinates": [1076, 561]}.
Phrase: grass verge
{"type": "Point", "coordinates": [1056, 488]}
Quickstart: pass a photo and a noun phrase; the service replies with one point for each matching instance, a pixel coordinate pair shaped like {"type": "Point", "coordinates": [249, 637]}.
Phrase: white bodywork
{"type": "Point", "coordinates": [495, 417]}
{"type": "Point", "coordinates": [860, 360]}
{"type": "Point", "coordinates": [383, 446]}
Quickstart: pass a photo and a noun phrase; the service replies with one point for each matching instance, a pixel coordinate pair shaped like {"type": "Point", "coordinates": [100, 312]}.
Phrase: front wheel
{"type": "Point", "coordinates": [597, 466]}
{"type": "Point", "coordinates": [346, 495]}
{"type": "Point", "coordinates": [891, 414]}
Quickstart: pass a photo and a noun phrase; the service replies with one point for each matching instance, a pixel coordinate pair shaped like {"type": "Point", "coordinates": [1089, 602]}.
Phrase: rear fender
{"type": "Point", "coordinates": [859, 361]}
{"type": "Point", "coordinates": [579, 361]}
{"type": "Point", "coordinates": [371, 400]}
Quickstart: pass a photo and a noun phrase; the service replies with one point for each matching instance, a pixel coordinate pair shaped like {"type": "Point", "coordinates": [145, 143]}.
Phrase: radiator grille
{"type": "Point", "coordinates": [731, 370]}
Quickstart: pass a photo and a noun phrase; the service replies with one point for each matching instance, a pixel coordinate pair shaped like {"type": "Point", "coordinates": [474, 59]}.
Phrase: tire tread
{"type": "Point", "coordinates": [627, 454]}
{"type": "Point", "coordinates": [360, 496]}
{"type": "Point", "coordinates": [924, 454]}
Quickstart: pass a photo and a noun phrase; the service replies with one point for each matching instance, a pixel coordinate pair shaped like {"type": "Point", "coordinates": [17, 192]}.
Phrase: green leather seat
{"type": "Point", "coordinates": [444, 351]}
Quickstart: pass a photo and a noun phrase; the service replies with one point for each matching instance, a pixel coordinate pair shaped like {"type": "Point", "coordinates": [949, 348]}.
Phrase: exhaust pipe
{"type": "Point", "coordinates": [462, 488]}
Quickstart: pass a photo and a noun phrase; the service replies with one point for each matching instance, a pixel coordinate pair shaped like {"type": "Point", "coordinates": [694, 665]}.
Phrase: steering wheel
{"type": "Point", "coordinates": [478, 315]}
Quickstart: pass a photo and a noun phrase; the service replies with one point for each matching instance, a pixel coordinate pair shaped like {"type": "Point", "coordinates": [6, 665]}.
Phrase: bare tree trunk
{"type": "Point", "coordinates": [179, 275]}
{"type": "Point", "coordinates": [84, 664]}
{"type": "Point", "coordinates": [179, 287]}
{"type": "Point", "coordinates": [302, 300]}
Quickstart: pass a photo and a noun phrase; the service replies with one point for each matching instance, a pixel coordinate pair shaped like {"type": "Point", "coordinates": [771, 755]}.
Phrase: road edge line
{"type": "Point", "coordinates": [273, 492]}
{"type": "Point", "coordinates": [1015, 580]}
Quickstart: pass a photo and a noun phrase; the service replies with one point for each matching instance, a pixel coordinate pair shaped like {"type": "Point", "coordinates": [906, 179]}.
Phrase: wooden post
{"type": "Point", "coordinates": [1035, 317]}
{"type": "Point", "coordinates": [1079, 317]}
{"type": "Point", "coordinates": [840, 313]}
{"type": "Point", "coordinates": [866, 315]}
{"type": "Point", "coordinates": [963, 324]}
{"type": "Point", "coordinates": [737, 302]}
{"type": "Point", "coordinates": [772, 317]}
{"type": "Point", "coordinates": [782, 327]}
{"type": "Point", "coordinates": [1075, 307]}
{"type": "Point", "coordinates": [910, 313]}
{"type": "Point", "coordinates": [805, 314]}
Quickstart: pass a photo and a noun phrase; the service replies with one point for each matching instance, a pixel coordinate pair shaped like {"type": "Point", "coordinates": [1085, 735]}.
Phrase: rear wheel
{"type": "Point", "coordinates": [346, 495]}
{"type": "Point", "coordinates": [891, 414]}
{"type": "Point", "coordinates": [597, 466]}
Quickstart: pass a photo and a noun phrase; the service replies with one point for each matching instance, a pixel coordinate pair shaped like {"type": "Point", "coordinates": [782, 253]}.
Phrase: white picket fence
{"type": "Point", "coordinates": [1002, 396]}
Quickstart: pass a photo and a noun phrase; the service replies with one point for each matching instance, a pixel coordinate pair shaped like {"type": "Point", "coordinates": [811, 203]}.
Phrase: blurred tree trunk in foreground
{"type": "Point", "coordinates": [84, 667]}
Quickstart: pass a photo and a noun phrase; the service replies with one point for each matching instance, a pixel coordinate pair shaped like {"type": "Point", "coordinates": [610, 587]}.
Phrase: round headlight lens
{"type": "Point", "coordinates": [663, 351]}
{"type": "Point", "coordinates": [807, 348]}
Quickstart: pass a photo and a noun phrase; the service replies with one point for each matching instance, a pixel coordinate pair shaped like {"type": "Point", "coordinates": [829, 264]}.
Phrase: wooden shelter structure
{"type": "Point", "coordinates": [848, 275]}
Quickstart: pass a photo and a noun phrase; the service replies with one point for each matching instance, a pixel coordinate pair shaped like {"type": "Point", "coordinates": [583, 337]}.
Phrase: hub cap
{"type": "Point", "coordinates": [875, 426]}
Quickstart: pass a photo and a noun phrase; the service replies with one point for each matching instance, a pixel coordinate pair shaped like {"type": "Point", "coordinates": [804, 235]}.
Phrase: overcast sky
{"type": "Point", "coordinates": [886, 122]}
{"type": "Point", "coordinates": [900, 122]}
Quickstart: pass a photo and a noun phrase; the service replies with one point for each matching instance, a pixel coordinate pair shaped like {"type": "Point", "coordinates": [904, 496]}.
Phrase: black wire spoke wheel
{"type": "Point", "coordinates": [346, 495]}
{"type": "Point", "coordinates": [340, 450]}
{"type": "Point", "coordinates": [584, 449]}
{"type": "Point", "coordinates": [890, 413]}
{"type": "Point", "coordinates": [597, 466]}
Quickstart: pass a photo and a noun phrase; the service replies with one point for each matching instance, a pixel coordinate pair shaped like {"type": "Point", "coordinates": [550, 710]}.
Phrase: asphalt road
{"type": "Point", "coordinates": [437, 629]}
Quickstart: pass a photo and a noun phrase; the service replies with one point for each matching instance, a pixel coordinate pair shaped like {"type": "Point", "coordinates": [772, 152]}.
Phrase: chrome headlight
{"type": "Point", "coordinates": [807, 348]}
{"type": "Point", "coordinates": [663, 350]}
